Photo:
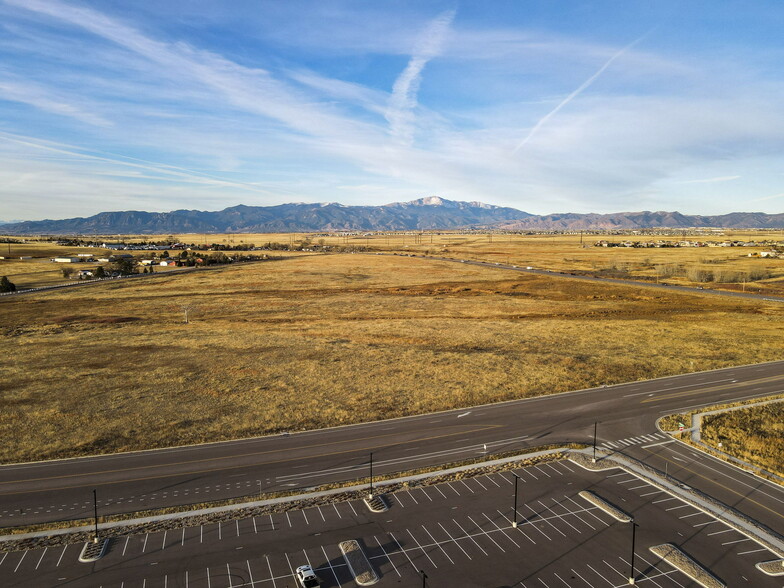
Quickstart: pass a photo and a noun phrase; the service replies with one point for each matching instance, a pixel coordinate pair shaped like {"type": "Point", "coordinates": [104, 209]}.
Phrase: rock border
{"type": "Point", "coordinates": [774, 567]}
{"type": "Point", "coordinates": [94, 550]}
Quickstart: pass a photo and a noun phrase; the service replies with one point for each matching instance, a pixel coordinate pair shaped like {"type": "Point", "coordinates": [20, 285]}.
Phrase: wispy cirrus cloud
{"type": "Point", "coordinates": [712, 180]}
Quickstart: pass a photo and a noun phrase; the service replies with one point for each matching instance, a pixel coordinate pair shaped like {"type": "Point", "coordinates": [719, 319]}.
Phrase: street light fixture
{"type": "Point", "coordinates": [371, 476]}
{"type": "Point", "coordinates": [634, 535]}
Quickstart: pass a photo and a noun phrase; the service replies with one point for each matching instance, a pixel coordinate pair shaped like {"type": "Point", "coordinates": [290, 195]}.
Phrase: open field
{"type": "Point", "coordinates": [331, 339]}
{"type": "Point", "coordinates": [754, 434]}
{"type": "Point", "coordinates": [714, 267]}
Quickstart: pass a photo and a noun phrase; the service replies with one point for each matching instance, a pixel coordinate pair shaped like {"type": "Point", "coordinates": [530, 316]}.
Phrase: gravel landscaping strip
{"type": "Point", "coordinates": [680, 561]}
{"type": "Point", "coordinates": [607, 507]}
{"type": "Point", "coordinates": [360, 567]}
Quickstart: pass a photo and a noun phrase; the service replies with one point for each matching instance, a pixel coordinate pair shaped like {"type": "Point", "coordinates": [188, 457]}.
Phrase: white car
{"type": "Point", "coordinates": [307, 577]}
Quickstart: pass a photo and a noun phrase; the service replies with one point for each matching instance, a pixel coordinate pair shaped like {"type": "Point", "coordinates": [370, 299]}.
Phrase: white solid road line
{"type": "Point", "coordinates": [660, 443]}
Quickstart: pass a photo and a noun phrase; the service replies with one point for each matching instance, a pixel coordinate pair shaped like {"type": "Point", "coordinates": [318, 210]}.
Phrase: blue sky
{"type": "Point", "coordinates": [546, 106]}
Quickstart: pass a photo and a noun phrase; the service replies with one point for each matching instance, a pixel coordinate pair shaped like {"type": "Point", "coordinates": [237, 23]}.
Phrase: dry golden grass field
{"type": "Point", "coordinates": [755, 435]}
{"type": "Point", "coordinates": [713, 267]}
{"type": "Point", "coordinates": [320, 340]}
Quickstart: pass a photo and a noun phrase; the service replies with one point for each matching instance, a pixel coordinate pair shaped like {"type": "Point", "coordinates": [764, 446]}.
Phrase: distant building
{"type": "Point", "coordinates": [67, 259]}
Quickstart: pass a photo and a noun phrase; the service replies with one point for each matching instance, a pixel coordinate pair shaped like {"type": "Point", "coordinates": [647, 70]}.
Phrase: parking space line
{"type": "Point", "coordinates": [163, 543]}
{"type": "Point", "coordinates": [579, 576]}
{"type": "Point", "coordinates": [505, 479]}
{"type": "Point", "coordinates": [487, 534]}
{"type": "Point", "coordinates": [305, 516]}
{"type": "Point", "coordinates": [272, 523]}
{"type": "Point", "coordinates": [664, 500]}
{"type": "Point", "coordinates": [394, 567]}
{"type": "Point", "coordinates": [352, 509]}
{"type": "Point", "coordinates": [250, 574]}
{"type": "Point", "coordinates": [705, 523]}
{"type": "Point", "coordinates": [61, 556]}
{"type": "Point", "coordinates": [720, 532]}
{"type": "Point", "coordinates": [220, 532]}
{"type": "Point", "coordinates": [127, 538]}
{"type": "Point", "coordinates": [638, 487]}
{"type": "Point", "coordinates": [340, 516]}
{"type": "Point", "coordinates": [549, 465]}
{"type": "Point", "coordinates": [677, 507]}
{"type": "Point", "coordinates": [201, 533]}
{"type": "Point", "coordinates": [144, 545]}
{"type": "Point", "coordinates": [42, 558]}
{"type": "Point", "coordinates": [453, 488]}
{"type": "Point", "coordinates": [541, 471]}
{"type": "Point", "coordinates": [598, 574]}
{"type": "Point", "coordinates": [448, 534]}
{"type": "Point", "coordinates": [575, 513]}
{"type": "Point", "coordinates": [559, 516]}
{"type": "Point", "coordinates": [400, 548]}
{"type": "Point", "coordinates": [255, 528]}
{"type": "Point", "coordinates": [438, 543]}
{"type": "Point", "coordinates": [490, 479]}
{"type": "Point", "coordinates": [480, 483]}
{"type": "Point", "coordinates": [528, 471]}
{"type": "Point", "coordinates": [288, 561]}
{"type": "Point", "coordinates": [439, 490]}
{"type": "Point", "coordinates": [752, 551]}
{"type": "Point", "coordinates": [652, 493]}
{"type": "Point", "coordinates": [209, 582]}
{"type": "Point", "coordinates": [536, 514]}
{"type": "Point", "coordinates": [422, 548]}
{"type": "Point", "coordinates": [469, 536]}
{"type": "Point", "coordinates": [519, 528]}
{"type": "Point", "coordinates": [694, 514]}
{"type": "Point", "coordinates": [321, 513]}
{"type": "Point", "coordinates": [237, 521]}
{"type": "Point", "coordinates": [288, 518]}
{"type": "Point", "coordinates": [564, 464]}
{"type": "Point", "coordinates": [411, 496]}
{"type": "Point", "coordinates": [182, 542]}
{"type": "Point", "coordinates": [467, 486]}
{"type": "Point", "coordinates": [492, 522]}
{"type": "Point", "coordinates": [272, 576]}
{"type": "Point", "coordinates": [425, 493]}
{"type": "Point", "coordinates": [228, 575]}
{"type": "Point", "coordinates": [737, 541]}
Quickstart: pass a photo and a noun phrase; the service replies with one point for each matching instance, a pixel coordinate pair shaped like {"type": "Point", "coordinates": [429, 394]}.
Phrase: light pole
{"type": "Point", "coordinates": [424, 578]}
{"type": "Point", "coordinates": [95, 508]}
{"type": "Point", "coordinates": [631, 569]}
{"type": "Point", "coordinates": [595, 424]}
{"type": "Point", "coordinates": [514, 510]}
{"type": "Point", "coordinates": [371, 476]}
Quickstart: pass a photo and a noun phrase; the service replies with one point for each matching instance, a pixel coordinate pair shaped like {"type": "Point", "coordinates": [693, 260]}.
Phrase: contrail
{"type": "Point", "coordinates": [576, 93]}
{"type": "Point", "coordinates": [404, 91]}
{"type": "Point", "coordinates": [172, 170]}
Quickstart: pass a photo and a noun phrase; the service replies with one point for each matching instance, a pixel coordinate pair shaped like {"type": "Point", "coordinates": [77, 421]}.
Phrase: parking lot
{"type": "Point", "coordinates": [459, 533]}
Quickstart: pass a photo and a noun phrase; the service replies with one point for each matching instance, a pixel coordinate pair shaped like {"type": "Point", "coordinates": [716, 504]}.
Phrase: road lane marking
{"type": "Point", "coordinates": [660, 443]}
{"type": "Point", "coordinates": [729, 386]}
{"type": "Point", "coordinates": [678, 387]}
{"type": "Point", "coordinates": [170, 465]}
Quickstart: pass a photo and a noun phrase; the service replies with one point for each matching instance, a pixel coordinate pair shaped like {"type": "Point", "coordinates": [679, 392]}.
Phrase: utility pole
{"type": "Point", "coordinates": [594, 441]}
{"type": "Point", "coordinates": [95, 505]}
{"type": "Point", "coordinates": [371, 476]}
{"type": "Point", "coordinates": [514, 510]}
{"type": "Point", "coordinates": [631, 569]}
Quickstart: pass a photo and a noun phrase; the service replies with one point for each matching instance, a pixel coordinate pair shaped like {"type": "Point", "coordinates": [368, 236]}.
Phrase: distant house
{"type": "Point", "coordinates": [168, 262]}
{"type": "Point", "coordinates": [119, 256]}
{"type": "Point", "coordinates": [85, 273]}
{"type": "Point", "coordinates": [67, 259]}
{"type": "Point", "coordinates": [26, 257]}
{"type": "Point", "coordinates": [146, 261]}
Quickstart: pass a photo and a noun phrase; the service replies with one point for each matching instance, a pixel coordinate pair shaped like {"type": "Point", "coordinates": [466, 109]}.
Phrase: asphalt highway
{"type": "Point", "coordinates": [62, 490]}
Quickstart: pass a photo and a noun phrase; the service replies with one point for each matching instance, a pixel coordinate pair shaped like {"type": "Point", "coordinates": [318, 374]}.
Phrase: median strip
{"type": "Point", "coordinates": [607, 507]}
{"type": "Point", "coordinates": [682, 562]}
{"type": "Point", "coordinates": [358, 564]}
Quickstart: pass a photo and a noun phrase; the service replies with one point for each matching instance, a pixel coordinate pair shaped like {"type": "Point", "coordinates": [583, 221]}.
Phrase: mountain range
{"type": "Point", "coordinates": [431, 213]}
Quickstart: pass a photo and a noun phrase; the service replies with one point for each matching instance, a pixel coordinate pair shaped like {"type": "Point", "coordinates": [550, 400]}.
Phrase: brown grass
{"type": "Point", "coordinates": [754, 434]}
{"type": "Point", "coordinates": [327, 340]}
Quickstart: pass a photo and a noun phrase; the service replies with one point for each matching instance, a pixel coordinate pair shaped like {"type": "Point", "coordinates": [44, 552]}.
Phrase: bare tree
{"type": "Point", "coordinates": [187, 310]}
